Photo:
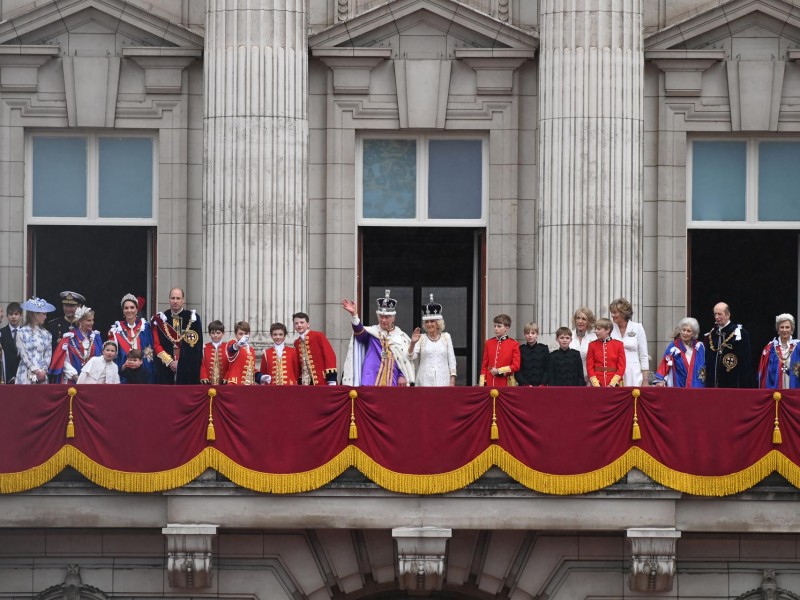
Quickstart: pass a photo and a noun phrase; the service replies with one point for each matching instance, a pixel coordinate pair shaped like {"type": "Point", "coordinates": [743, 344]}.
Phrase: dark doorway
{"type": "Point", "coordinates": [102, 263]}
{"type": "Point", "coordinates": [755, 272]}
{"type": "Point", "coordinates": [414, 262]}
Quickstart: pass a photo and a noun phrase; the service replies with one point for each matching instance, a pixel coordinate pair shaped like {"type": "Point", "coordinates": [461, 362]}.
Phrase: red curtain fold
{"type": "Point", "coordinates": [414, 431]}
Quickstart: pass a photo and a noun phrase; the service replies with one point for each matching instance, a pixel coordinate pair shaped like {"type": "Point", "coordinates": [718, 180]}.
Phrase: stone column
{"type": "Point", "coordinates": [590, 157]}
{"type": "Point", "coordinates": [255, 213]}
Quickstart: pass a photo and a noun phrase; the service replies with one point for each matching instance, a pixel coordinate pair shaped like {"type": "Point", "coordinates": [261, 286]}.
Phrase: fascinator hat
{"type": "Point", "coordinates": [37, 305]}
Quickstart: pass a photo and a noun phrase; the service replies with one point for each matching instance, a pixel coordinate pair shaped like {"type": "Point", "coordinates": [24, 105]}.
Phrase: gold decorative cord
{"type": "Point", "coordinates": [776, 433]}
{"type": "Point", "coordinates": [211, 434]}
{"type": "Point", "coordinates": [353, 435]}
{"type": "Point", "coordinates": [636, 434]}
{"type": "Point", "coordinates": [495, 432]}
{"type": "Point", "coordinates": [71, 424]}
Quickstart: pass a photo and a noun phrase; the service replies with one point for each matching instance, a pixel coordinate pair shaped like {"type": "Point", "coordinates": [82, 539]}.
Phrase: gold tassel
{"type": "Point", "coordinates": [776, 433]}
{"type": "Point", "coordinates": [211, 435]}
{"type": "Point", "coordinates": [71, 425]}
{"type": "Point", "coordinates": [636, 434]}
{"type": "Point", "coordinates": [495, 432]}
{"type": "Point", "coordinates": [353, 435]}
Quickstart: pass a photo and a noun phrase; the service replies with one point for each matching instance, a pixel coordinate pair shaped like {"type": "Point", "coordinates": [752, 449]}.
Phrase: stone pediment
{"type": "Point", "coordinates": [48, 24]}
{"type": "Point", "coordinates": [734, 19]}
{"type": "Point", "coordinates": [386, 25]}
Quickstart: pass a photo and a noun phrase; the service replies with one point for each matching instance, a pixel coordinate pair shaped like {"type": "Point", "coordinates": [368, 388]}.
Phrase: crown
{"type": "Point", "coordinates": [386, 305]}
{"type": "Point", "coordinates": [432, 311]}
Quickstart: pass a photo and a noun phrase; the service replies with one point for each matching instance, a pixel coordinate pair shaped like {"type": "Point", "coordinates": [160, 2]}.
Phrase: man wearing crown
{"type": "Point", "coordinates": [378, 354]}
{"type": "Point", "coordinates": [178, 342]}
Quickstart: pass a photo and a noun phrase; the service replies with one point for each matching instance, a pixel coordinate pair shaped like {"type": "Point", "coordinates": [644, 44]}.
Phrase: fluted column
{"type": "Point", "coordinates": [590, 157]}
{"type": "Point", "coordinates": [255, 186]}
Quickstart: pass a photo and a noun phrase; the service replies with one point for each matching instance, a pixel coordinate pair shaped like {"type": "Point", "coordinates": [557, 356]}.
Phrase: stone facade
{"type": "Point", "coordinates": [499, 71]}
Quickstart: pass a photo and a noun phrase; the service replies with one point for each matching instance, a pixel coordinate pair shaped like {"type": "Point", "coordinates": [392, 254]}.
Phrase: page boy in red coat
{"type": "Point", "coordinates": [501, 356]}
{"type": "Point", "coordinates": [605, 360]}
{"type": "Point", "coordinates": [279, 364]}
{"type": "Point", "coordinates": [241, 357]}
{"type": "Point", "coordinates": [215, 364]}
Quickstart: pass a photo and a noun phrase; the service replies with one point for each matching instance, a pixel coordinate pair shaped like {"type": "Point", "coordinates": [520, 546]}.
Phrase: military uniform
{"type": "Point", "coordinates": [178, 337]}
{"type": "Point", "coordinates": [58, 326]}
{"type": "Point", "coordinates": [501, 354]}
{"type": "Point", "coordinates": [729, 361]}
{"type": "Point", "coordinates": [605, 363]}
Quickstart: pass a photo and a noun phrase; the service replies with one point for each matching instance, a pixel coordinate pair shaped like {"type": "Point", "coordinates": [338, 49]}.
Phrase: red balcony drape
{"type": "Point", "coordinates": [410, 440]}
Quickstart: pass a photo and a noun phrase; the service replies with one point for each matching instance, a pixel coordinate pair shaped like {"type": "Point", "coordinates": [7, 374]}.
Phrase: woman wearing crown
{"type": "Point", "coordinates": [133, 333]}
{"type": "Point", "coordinates": [434, 350]}
{"type": "Point", "coordinates": [76, 348]}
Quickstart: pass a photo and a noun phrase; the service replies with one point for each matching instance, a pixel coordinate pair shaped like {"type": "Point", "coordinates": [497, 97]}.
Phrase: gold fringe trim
{"type": "Point", "coordinates": [438, 483]}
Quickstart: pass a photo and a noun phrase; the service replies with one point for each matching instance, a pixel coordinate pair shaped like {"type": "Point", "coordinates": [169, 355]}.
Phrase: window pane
{"type": "Point", "coordinates": [778, 181]}
{"type": "Point", "coordinates": [59, 177]}
{"type": "Point", "coordinates": [390, 179]}
{"type": "Point", "coordinates": [454, 179]}
{"type": "Point", "coordinates": [719, 181]}
{"type": "Point", "coordinates": [126, 177]}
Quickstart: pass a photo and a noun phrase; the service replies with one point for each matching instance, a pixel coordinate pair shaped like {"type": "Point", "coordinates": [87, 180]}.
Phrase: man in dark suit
{"type": "Point", "coordinates": [8, 342]}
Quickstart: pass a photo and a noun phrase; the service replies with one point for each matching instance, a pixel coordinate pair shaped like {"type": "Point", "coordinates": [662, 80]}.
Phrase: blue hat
{"type": "Point", "coordinates": [38, 305]}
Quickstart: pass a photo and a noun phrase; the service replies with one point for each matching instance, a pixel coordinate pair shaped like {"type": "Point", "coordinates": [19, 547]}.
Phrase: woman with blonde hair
{"type": "Point", "coordinates": [583, 322]}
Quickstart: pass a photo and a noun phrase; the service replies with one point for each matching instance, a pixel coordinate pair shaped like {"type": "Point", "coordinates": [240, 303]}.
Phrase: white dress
{"type": "Point", "coordinates": [437, 361]}
{"type": "Point", "coordinates": [582, 346]}
{"type": "Point", "coordinates": [35, 350]}
{"type": "Point", "coordinates": [636, 359]}
{"type": "Point", "coordinates": [97, 370]}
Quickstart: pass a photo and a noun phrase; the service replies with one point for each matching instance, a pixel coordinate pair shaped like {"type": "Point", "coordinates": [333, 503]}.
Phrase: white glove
{"type": "Point", "coordinates": [266, 379]}
{"type": "Point", "coordinates": [244, 342]}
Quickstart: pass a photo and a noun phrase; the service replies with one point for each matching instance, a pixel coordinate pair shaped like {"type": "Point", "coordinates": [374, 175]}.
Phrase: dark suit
{"type": "Point", "coordinates": [10, 354]}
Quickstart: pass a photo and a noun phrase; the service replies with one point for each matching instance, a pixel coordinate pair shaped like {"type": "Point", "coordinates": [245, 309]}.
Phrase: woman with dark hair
{"type": "Point", "coordinates": [133, 333]}
{"type": "Point", "coordinates": [632, 336]}
{"type": "Point", "coordinates": [34, 343]}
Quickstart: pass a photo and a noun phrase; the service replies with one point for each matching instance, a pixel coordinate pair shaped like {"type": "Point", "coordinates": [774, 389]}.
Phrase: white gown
{"type": "Point", "coordinates": [437, 361]}
{"type": "Point", "coordinates": [636, 359]}
{"type": "Point", "coordinates": [582, 346]}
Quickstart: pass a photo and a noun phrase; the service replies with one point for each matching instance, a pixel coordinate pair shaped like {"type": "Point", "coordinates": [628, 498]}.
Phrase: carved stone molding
{"type": "Point", "coordinates": [163, 67]}
{"type": "Point", "coordinates": [73, 588]}
{"type": "Point", "coordinates": [189, 555]}
{"type": "Point", "coordinates": [683, 69]}
{"type": "Point", "coordinates": [494, 67]}
{"type": "Point", "coordinates": [652, 559]}
{"type": "Point", "coordinates": [421, 557]}
{"type": "Point", "coordinates": [755, 88]}
{"type": "Point", "coordinates": [768, 590]}
{"type": "Point", "coordinates": [351, 66]}
{"type": "Point", "coordinates": [19, 66]}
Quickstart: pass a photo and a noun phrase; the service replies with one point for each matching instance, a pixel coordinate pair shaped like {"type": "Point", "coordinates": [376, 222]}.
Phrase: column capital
{"type": "Point", "coordinates": [653, 557]}
{"type": "Point", "coordinates": [189, 555]}
{"type": "Point", "coordinates": [421, 557]}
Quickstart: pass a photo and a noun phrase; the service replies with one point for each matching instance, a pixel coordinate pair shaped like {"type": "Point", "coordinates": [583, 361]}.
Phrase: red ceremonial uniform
{"type": "Point", "coordinates": [605, 362]}
{"type": "Point", "coordinates": [241, 365]}
{"type": "Point", "coordinates": [316, 358]}
{"type": "Point", "coordinates": [214, 367]}
{"type": "Point", "coordinates": [282, 371]}
{"type": "Point", "coordinates": [503, 355]}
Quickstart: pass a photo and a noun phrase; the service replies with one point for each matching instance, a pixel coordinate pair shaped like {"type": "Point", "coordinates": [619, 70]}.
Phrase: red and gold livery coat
{"type": "Point", "coordinates": [241, 365]}
{"type": "Point", "coordinates": [315, 351]}
{"type": "Point", "coordinates": [214, 368]}
{"type": "Point", "coordinates": [282, 371]}
{"type": "Point", "coordinates": [605, 363]}
{"type": "Point", "coordinates": [501, 354]}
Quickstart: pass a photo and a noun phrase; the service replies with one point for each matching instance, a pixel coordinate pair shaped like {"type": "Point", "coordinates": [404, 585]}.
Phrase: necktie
{"type": "Point", "coordinates": [14, 334]}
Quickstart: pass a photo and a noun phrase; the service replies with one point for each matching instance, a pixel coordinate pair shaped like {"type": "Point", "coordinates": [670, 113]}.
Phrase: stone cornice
{"type": "Point", "coordinates": [684, 69]}
{"type": "Point", "coordinates": [163, 66]}
{"type": "Point", "coordinates": [19, 66]}
{"type": "Point", "coordinates": [351, 66]}
{"type": "Point", "coordinates": [494, 67]}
